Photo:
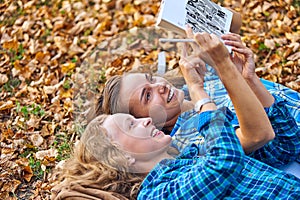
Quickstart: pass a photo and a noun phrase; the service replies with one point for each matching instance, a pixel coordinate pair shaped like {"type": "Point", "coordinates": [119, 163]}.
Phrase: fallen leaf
{"type": "Point", "coordinates": [42, 154]}
{"type": "Point", "coordinates": [6, 105]}
{"type": "Point", "coordinates": [67, 67]}
{"type": "Point", "coordinates": [3, 79]}
{"type": "Point", "coordinates": [37, 140]}
{"type": "Point", "coordinates": [295, 56]}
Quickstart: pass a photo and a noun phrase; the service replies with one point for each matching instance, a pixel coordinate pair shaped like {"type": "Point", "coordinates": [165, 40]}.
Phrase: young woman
{"type": "Point", "coordinates": [143, 96]}
{"type": "Point", "coordinates": [117, 152]}
{"type": "Point", "coordinates": [122, 157]}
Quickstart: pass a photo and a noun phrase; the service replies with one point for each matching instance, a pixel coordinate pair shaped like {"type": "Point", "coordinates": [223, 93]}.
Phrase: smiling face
{"type": "Point", "coordinates": [136, 136]}
{"type": "Point", "coordinates": [147, 96]}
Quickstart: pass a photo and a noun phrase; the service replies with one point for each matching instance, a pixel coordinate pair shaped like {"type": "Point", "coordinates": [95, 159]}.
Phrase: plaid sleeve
{"type": "Point", "coordinates": [285, 147]}
{"type": "Point", "coordinates": [209, 175]}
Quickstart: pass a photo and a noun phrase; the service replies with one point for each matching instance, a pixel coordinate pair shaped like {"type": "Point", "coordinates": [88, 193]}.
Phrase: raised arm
{"type": "Point", "coordinates": [255, 126]}
{"type": "Point", "coordinates": [243, 58]}
{"type": "Point", "coordinates": [193, 69]}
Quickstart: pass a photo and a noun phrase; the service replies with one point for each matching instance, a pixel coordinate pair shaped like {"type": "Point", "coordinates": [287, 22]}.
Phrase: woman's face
{"type": "Point", "coordinates": [136, 136]}
{"type": "Point", "coordinates": [147, 96]}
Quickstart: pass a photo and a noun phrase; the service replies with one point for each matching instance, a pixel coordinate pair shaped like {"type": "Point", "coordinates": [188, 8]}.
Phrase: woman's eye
{"type": "Point", "coordinates": [131, 124]}
{"type": "Point", "coordinates": [148, 96]}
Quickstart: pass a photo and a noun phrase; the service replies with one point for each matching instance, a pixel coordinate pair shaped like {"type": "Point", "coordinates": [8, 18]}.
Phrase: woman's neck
{"type": "Point", "coordinates": [187, 105]}
{"type": "Point", "coordinates": [169, 125]}
{"type": "Point", "coordinates": [145, 166]}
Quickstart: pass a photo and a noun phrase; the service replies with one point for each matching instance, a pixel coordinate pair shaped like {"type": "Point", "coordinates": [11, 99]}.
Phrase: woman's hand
{"type": "Point", "coordinates": [242, 56]}
{"type": "Point", "coordinates": [213, 51]}
{"type": "Point", "coordinates": [192, 68]}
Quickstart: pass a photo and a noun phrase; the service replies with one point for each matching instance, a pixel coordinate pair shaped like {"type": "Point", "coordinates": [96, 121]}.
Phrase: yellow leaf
{"type": "Point", "coordinates": [66, 93]}
{"type": "Point", "coordinates": [12, 44]}
{"type": "Point", "coordinates": [67, 67]}
{"type": "Point", "coordinates": [129, 9]}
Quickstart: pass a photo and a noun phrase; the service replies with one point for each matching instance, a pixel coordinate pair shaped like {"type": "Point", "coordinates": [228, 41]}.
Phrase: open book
{"type": "Point", "coordinates": [201, 15]}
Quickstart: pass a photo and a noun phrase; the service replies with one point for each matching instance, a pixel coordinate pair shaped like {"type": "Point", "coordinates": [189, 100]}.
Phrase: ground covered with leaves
{"type": "Point", "coordinates": [55, 56]}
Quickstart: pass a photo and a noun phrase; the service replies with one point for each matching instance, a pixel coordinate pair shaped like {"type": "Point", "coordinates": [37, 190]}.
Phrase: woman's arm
{"type": "Point", "coordinates": [193, 70]}
{"type": "Point", "coordinates": [255, 126]}
{"type": "Point", "coordinates": [286, 145]}
{"type": "Point", "coordinates": [243, 58]}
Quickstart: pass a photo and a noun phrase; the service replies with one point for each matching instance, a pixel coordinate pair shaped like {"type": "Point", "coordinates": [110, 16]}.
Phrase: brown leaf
{"type": "Point", "coordinates": [6, 134]}
{"type": "Point", "coordinates": [11, 45]}
{"type": "Point", "coordinates": [27, 173]}
{"type": "Point", "coordinates": [295, 56]}
{"type": "Point", "coordinates": [37, 140]}
{"type": "Point", "coordinates": [6, 105]}
{"type": "Point", "coordinates": [3, 79]}
{"type": "Point", "coordinates": [11, 185]}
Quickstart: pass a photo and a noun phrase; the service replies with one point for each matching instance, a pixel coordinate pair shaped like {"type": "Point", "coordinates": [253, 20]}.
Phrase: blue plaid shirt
{"type": "Point", "coordinates": [216, 90]}
{"type": "Point", "coordinates": [284, 148]}
{"type": "Point", "coordinates": [217, 168]}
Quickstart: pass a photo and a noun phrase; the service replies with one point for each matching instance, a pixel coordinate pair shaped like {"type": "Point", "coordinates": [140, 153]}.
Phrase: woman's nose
{"type": "Point", "coordinates": [147, 121]}
{"type": "Point", "coordinates": [161, 87]}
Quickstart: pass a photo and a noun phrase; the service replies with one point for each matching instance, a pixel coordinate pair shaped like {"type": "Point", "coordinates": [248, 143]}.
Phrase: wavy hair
{"type": "Point", "coordinates": [97, 160]}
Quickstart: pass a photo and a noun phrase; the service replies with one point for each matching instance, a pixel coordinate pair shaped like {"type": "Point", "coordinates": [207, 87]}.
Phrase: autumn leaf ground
{"type": "Point", "coordinates": [55, 56]}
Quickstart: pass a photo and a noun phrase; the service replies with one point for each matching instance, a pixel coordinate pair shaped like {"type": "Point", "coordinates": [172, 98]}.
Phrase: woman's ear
{"type": "Point", "coordinates": [130, 159]}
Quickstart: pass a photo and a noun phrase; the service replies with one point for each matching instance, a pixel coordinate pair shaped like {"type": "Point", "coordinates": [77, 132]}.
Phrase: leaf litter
{"type": "Point", "coordinates": [55, 56]}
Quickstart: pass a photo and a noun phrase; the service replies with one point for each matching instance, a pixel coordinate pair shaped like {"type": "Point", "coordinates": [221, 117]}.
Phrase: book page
{"type": "Point", "coordinates": [206, 16]}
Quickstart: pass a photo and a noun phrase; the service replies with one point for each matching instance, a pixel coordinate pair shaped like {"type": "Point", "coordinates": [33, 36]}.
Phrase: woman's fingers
{"type": "Point", "coordinates": [200, 67]}
{"type": "Point", "coordinates": [231, 36]}
{"type": "Point", "coordinates": [190, 34]}
{"type": "Point", "coordinates": [184, 50]}
{"type": "Point", "coordinates": [189, 31]}
{"type": "Point", "coordinates": [234, 44]}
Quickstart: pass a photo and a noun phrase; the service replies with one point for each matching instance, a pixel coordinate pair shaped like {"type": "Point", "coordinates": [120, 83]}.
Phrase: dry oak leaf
{"type": "Point", "coordinates": [46, 153]}
{"type": "Point", "coordinates": [48, 129]}
{"type": "Point", "coordinates": [36, 140]}
{"type": "Point", "coordinates": [295, 56]}
{"type": "Point", "coordinates": [6, 134]}
{"type": "Point", "coordinates": [27, 173]}
{"type": "Point", "coordinates": [26, 169]}
{"type": "Point", "coordinates": [3, 79]}
{"type": "Point", "coordinates": [11, 185]}
{"type": "Point", "coordinates": [6, 105]}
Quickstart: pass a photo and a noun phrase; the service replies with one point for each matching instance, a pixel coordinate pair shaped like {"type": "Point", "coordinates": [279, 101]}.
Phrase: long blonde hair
{"type": "Point", "coordinates": [97, 160]}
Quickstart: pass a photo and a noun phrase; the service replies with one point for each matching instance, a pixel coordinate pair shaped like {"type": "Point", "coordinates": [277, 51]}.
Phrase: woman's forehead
{"type": "Point", "coordinates": [117, 121]}
{"type": "Point", "coordinates": [131, 84]}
